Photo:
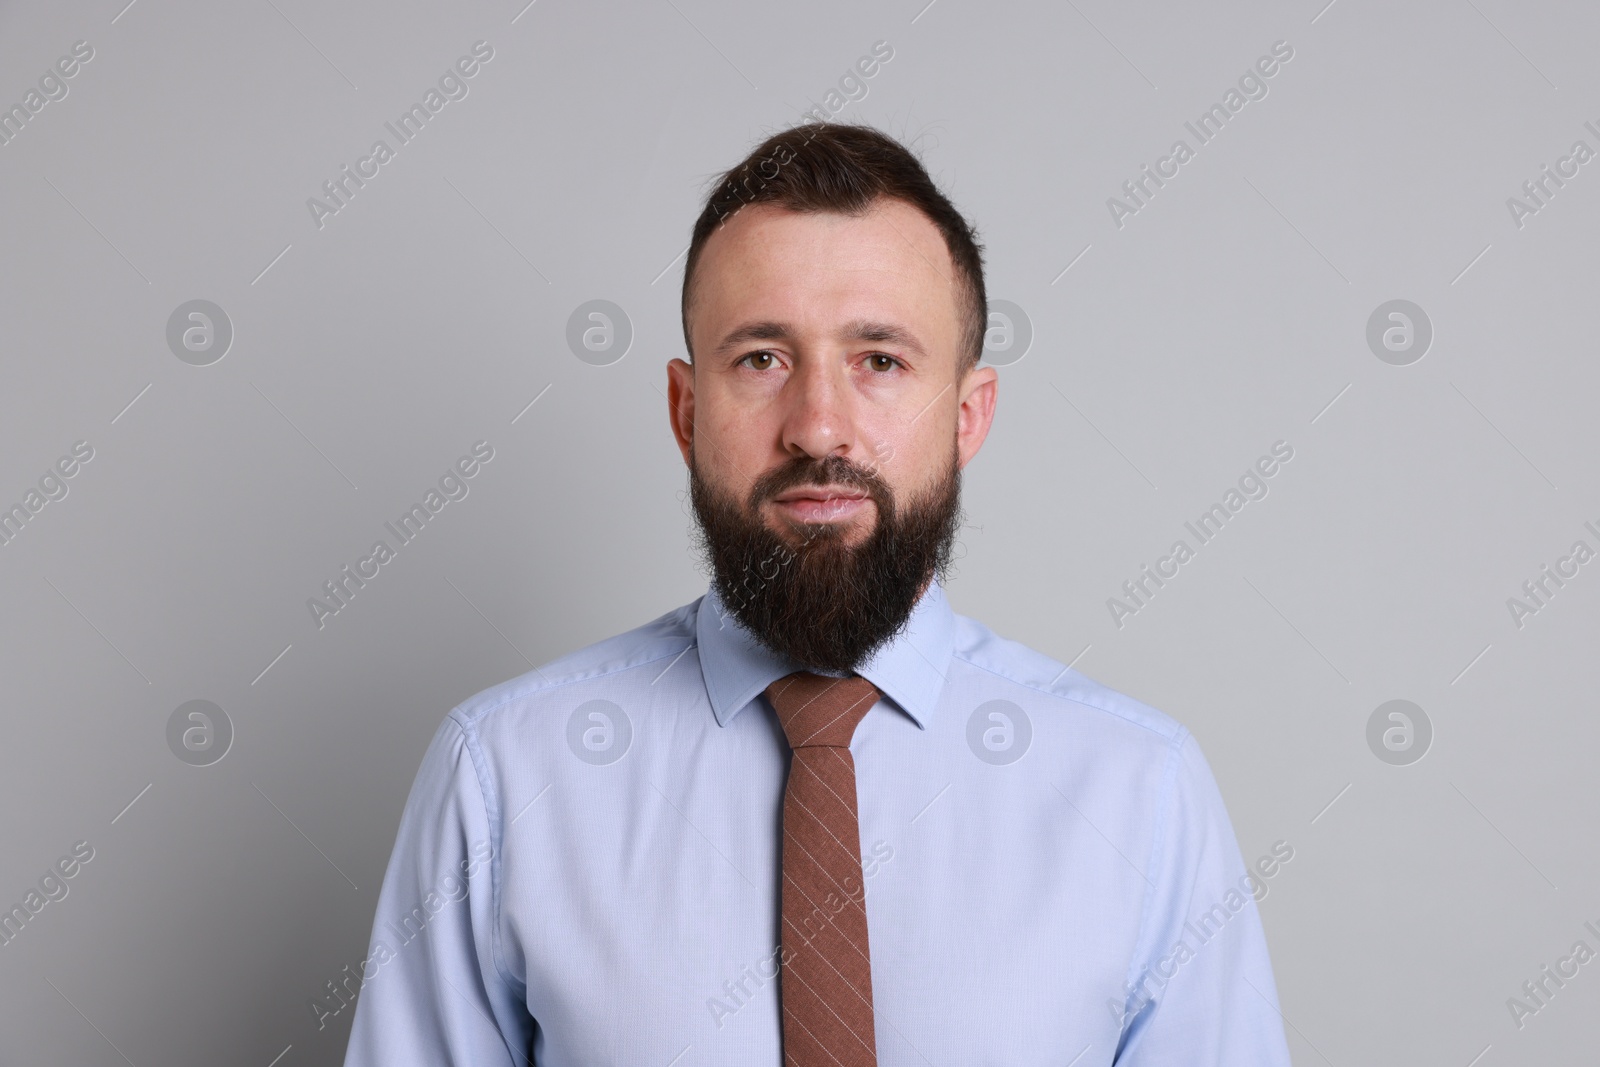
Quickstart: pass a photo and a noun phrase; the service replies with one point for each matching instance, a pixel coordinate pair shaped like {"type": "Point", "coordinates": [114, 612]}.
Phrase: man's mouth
{"type": "Point", "coordinates": [822, 503]}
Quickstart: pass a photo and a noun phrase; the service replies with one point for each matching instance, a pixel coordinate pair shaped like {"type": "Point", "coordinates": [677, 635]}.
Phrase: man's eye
{"type": "Point", "coordinates": [883, 362]}
{"type": "Point", "coordinates": [758, 356]}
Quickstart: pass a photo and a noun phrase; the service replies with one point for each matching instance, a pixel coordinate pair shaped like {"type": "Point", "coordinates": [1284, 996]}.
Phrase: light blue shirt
{"type": "Point", "coordinates": [587, 869]}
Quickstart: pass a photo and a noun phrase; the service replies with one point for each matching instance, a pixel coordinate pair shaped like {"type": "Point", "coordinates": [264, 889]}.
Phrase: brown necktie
{"type": "Point", "coordinates": [826, 988]}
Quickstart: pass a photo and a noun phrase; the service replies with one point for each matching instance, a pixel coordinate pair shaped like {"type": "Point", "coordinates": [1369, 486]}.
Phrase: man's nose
{"type": "Point", "coordinates": [819, 419]}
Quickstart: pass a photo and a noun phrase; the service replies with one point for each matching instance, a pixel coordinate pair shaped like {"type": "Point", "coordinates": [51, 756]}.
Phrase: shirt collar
{"type": "Point", "coordinates": [909, 670]}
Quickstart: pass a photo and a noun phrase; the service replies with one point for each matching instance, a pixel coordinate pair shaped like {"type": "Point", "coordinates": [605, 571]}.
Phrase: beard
{"type": "Point", "coordinates": [810, 595]}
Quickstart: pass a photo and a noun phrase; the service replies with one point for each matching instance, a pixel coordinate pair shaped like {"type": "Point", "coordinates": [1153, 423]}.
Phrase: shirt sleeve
{"type": "Point", "coordinates": [1200, 986]}
{"type": "Point", "coordinates": [432, 991]}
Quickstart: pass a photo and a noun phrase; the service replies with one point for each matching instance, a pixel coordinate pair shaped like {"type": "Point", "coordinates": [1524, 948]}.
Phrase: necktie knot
{"type": "Point", "coordinates": [819, 711]}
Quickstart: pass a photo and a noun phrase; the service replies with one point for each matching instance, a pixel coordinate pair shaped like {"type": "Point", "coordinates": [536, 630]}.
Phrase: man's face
{"type": "Point", "coordinates": [823, 421]}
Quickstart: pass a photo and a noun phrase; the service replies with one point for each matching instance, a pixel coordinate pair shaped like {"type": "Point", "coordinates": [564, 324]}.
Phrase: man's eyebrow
{"type": "Point", "coordinates": [884, 333]}
{"type": "Point", "coordinates": [754, 331]}
{"type": "Point", "coordinates": [856, 330]}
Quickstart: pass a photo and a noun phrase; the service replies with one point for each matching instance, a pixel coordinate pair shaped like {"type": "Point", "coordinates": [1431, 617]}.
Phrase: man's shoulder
{"type": "Point", "coordinates": [1055, 686]}
{"type": "Point", "coordinates": [663, 638]}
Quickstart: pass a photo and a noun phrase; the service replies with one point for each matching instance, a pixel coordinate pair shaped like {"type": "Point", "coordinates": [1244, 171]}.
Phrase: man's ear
{"type": "Point", "coordinates": [975, 413]}
{"type": "Point", "coordinates": [680, 404]}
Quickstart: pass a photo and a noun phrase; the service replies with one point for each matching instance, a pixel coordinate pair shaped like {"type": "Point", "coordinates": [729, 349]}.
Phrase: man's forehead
{"type": "Point", "coordinates": [759, 268]}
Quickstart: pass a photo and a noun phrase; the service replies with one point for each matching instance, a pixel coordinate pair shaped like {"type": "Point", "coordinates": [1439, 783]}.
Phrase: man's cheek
{"type": "Point", "coordinates": [882, 453]}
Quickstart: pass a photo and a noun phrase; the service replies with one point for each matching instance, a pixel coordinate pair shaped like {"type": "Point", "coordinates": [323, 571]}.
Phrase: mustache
{"type": "Point", "coordinates": [829, 470]}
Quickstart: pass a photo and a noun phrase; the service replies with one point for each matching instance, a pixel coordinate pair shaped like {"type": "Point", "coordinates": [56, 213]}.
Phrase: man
{"type": "Point", "coordinates": [815, 817]}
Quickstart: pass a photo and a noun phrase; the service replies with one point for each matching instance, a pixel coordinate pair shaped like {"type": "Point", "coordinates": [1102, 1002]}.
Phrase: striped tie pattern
{"type": "Point", "coordinates": [826, 985]}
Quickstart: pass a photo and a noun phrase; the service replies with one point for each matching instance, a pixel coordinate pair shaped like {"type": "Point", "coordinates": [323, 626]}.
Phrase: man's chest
{"type": "Point", "coordinates": [645, 916]}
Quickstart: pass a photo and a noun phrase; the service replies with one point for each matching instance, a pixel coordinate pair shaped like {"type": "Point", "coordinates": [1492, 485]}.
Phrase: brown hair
{"type": "Point", "coordinates": [844, 167]}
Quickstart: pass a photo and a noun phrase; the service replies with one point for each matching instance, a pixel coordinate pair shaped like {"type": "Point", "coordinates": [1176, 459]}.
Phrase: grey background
{"type": "Point", "coordinates": [369, 354]}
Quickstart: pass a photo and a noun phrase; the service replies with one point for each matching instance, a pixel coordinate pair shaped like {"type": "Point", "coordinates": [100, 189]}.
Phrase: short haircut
{"type": "Point", "coordinates": [845, 168]}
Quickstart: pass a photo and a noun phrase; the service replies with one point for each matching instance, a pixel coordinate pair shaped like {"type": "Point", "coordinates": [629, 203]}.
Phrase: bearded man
{"type": "Point", "coordinates": [816, 817]}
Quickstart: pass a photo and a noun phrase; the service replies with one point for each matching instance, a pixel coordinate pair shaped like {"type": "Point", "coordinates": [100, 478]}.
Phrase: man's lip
{"type": "Point", "coordinates": [819, 493]}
